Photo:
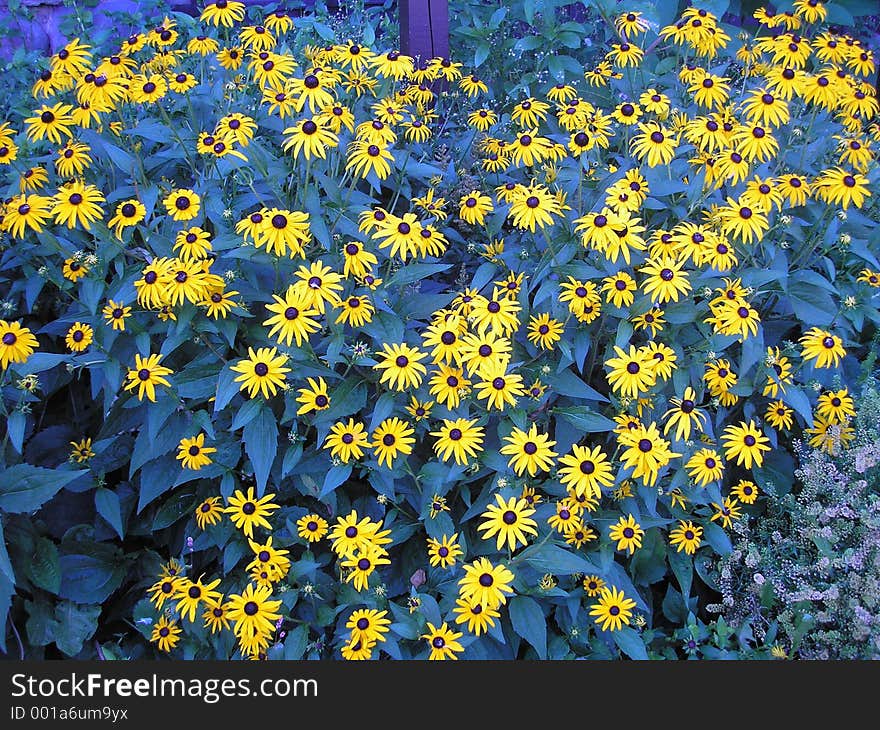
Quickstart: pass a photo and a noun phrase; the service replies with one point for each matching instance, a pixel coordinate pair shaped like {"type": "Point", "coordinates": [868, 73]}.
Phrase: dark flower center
{"type": "Point", "coordinates": [143, 374]}
{"type": "Point", "coordinates": [261, 369]}
{"type": "Point", "coordinates": [194, 592]}
{"type": "Point", "coordinates": [587, 467]}
{"type": "Point", "coordinates": [657, 137]}
{"type": "Point", "coordinates": [530, 448]}
{"type": "Point", "coordinates": [645, 445]}
{"type": "Point", "coordinates": [828, 342]}
{"type": "Point", "coordinates": [486, 580]}
{"type": "Point", "coordinates": [448, 338]}
{"type": "Point", "coordinates": [509, 517]}
{"type": "Point", "coordinates": [493, 307]}
{"type": "Point", "coordinates": [251, 608]}
{"type": "Point", "coordinates": [249, 508]}
{"type": "Point", "coordinates": [388, 439]}
{"type": "Point", "coordinates": [632, 368]}
{"type": "Point", "coordinates": [364, 564]}
{"type": "Point", "coordinates": [749, 440]}
{"type": "Point", "coordinates": [498, 383]}
{"type": "Point", "coordinates": [182, 202]}
{"type": "Point", "coordinates": [309, 127]}
{"type": "Point", "coordinates": [687, 406]}
{"type": "Point", "coordinates": [455, 434]}
{"type": "Point", "coordinates": [532, 201]}
{"type": "Point", "coordinates": [402, 361]}
{"type": "Point", "coordinates": [627, 110]}
{"type": "Point", "coordinates": [75, 199]}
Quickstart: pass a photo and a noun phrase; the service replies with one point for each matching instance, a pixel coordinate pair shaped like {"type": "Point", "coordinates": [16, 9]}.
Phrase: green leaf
{"type": "Point", "coordinates": [335, 476]}
{"type": "Point", "coordinates": [528, 622]}
{"type": "Point", "coordinates": [90, 578]}
{"type": "Point", "coordinates": [556, 560]}
{"type": "Point", "coordinates": [481, 54]}
{"type": "Point", "coordinates": [5, 564]}
{"type": "Point", "coordinates": [44, 568]}
{"type": "Point", "coordinates": [40, 625]}
{"type": "Point", "coordinates": [415, 272]}
{"type": "Point", "coordinates": [15, 426]}
{"type": "Point", "coordinates": [586, 420]}
{"type": "Point", "coordinates": [261, 445]}
{"type": "Point", "coordinates": [718, 539]}
{"type": "Point", "coordinates": [176, 506]}
{"type": "Point", "coordinates": [683, 568]}
{"type": "Point", "coordinates": [296, 642]}
{"type": "Point", "coordinates": [107, 504]}
{"type": "Point", "coordinates": [25, 488]}
{"type": "Point", "coordinates": [630, 643]}
{"type": "Point", "coordinates": [74, 625]}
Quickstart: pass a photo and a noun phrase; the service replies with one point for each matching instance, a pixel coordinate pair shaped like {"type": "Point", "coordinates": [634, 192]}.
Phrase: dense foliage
{"type": "Point", "coordinates": [311, 349]}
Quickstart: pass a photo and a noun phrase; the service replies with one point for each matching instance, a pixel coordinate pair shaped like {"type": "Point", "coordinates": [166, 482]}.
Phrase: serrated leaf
{"type": "Point", "coordinates": [25, 488]}
{"type": "Point", "coordinates": [74, 624]}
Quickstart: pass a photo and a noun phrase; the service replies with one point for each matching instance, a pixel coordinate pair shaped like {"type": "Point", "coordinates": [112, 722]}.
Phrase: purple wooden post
{"type": "Point", "coordinates": [424, 28]}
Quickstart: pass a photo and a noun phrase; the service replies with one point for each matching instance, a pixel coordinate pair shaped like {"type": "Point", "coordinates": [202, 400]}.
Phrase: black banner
{"type": "Point", "coordinates": [389, 694]}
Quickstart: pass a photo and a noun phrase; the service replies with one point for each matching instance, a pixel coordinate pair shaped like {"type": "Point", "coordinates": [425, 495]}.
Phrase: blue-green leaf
{"type": "Point", "coordinates": [25, 488]}
{"type": "Point", "coordinates": [529, 623]}
{"type": "Point", "coordinates": [261, 445]}
{"type": "Point", "coordinates": [630, 643]}
{"type": "Point", "coordinates": [107, 504]}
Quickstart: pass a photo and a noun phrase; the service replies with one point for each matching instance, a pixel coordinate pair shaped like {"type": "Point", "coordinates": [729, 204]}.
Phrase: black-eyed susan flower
{"type": "Point", "coordinates": [745, 490]}
{"type": "Point", "coordinates": [79, 337]}
{"type": "Point", "coordinates": [362, 564]}
{"type": "Point", "coordinates": [215, 616]}
{"type": "Point", "coordinates": [78, 203]}
{"type": "Point", "coordinates": [163, 590]}
{"type": "Point", "coordinates": [223, 12]}
{"type": "Point", "coordinates": [293, 318]}
{"type": "Point", "coordinates": [479, 618]}
{"type": "Point", "coordinates": [191, 594]}
{"type": "Point", "coordinates": [311, 527]}
{"type": "Point", "coordinates": [193, 454]}
{"type": "Point", "coordinates": [458, 438]}
{"type": "Point", "coordinates": [128, 213]}
{"type": "Point", "coordinates": [544, 331]}
{"type": "Point", "coordinates": [166, 633]}
{"type": "Point", "coordinates": [73, 159]}
{"type": "Point", "coordinates": [368, 625]}
{"type": "Point", "coordinates": [705, 467]}
{"type": "Point", "coordinates": [646, 451]}
{"type": "Point", "coordinates": [528, 450]}
{"type": "Point", "coordinates": [311, 138]}
{"type": "Point", "coordinates": [499, 387]}
{"type": "Point", "coordinates": [443, 642]}
{"type": "Point", "coordinates": [686, 537]}
{"type": "Point", "coordinates": [444, 552]}
{"type": "Point", "coordinates": [364, 159]}
{"type": "Point", "coordinates": [253, 612]}
{"type": "Point", "coordinates": [613, 609]}
{"type": "Point", "coordinates": [745, 443]}
{"type": "Point", "coordinates": [474, 207]}
{"type": "Point", "coordinates": [509, 521]}
{"type": "Point", "coordinates": [400, 366]}
{"type": "Point", "coordinates": [182, 204]}
{"type": "Point", "coordinates": [631, 373]}
{"type": "Point", "coordinates": [838, 186]}
{"type": "Point", "coordinates": [50, 122]}
{"type": "Point", "coordinates": [81, 451]}
{"type": "Point", "coordinates": [586, 470]}
{"type": "Point", "coordinates": [654, 144]}
{"type": "Point", "coordinates": [209, 512]}
{"type": "Point", "coordinates": [317, 285]}
{"type": "Point", "coordinates": [392, 438]}
{"type": "Point", "coordinates": [778, 415]}
{"type": "Point", "coordinates": [627, 533]}
{"type": "Point", "coordinates": [262, 371]}
{"type": "Point", "coordinates": [485, 583]}
{"type": "Point", "coordinates": [347, 441]}
{"type": "Point", "coordinates": [146, 374]}
{"type": "Point", "coordinates": [726, 512]}
{"type": "Point", "coordinates": [822, 347]}
{"type": "Point", "coordinates": [248, 512]}
{"type": "Point", "coordinates": [684, 416]}
{"type": "Point", "coordinates": [314, 397]}
{"type": "Point", "coordinates": [835, 406]}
